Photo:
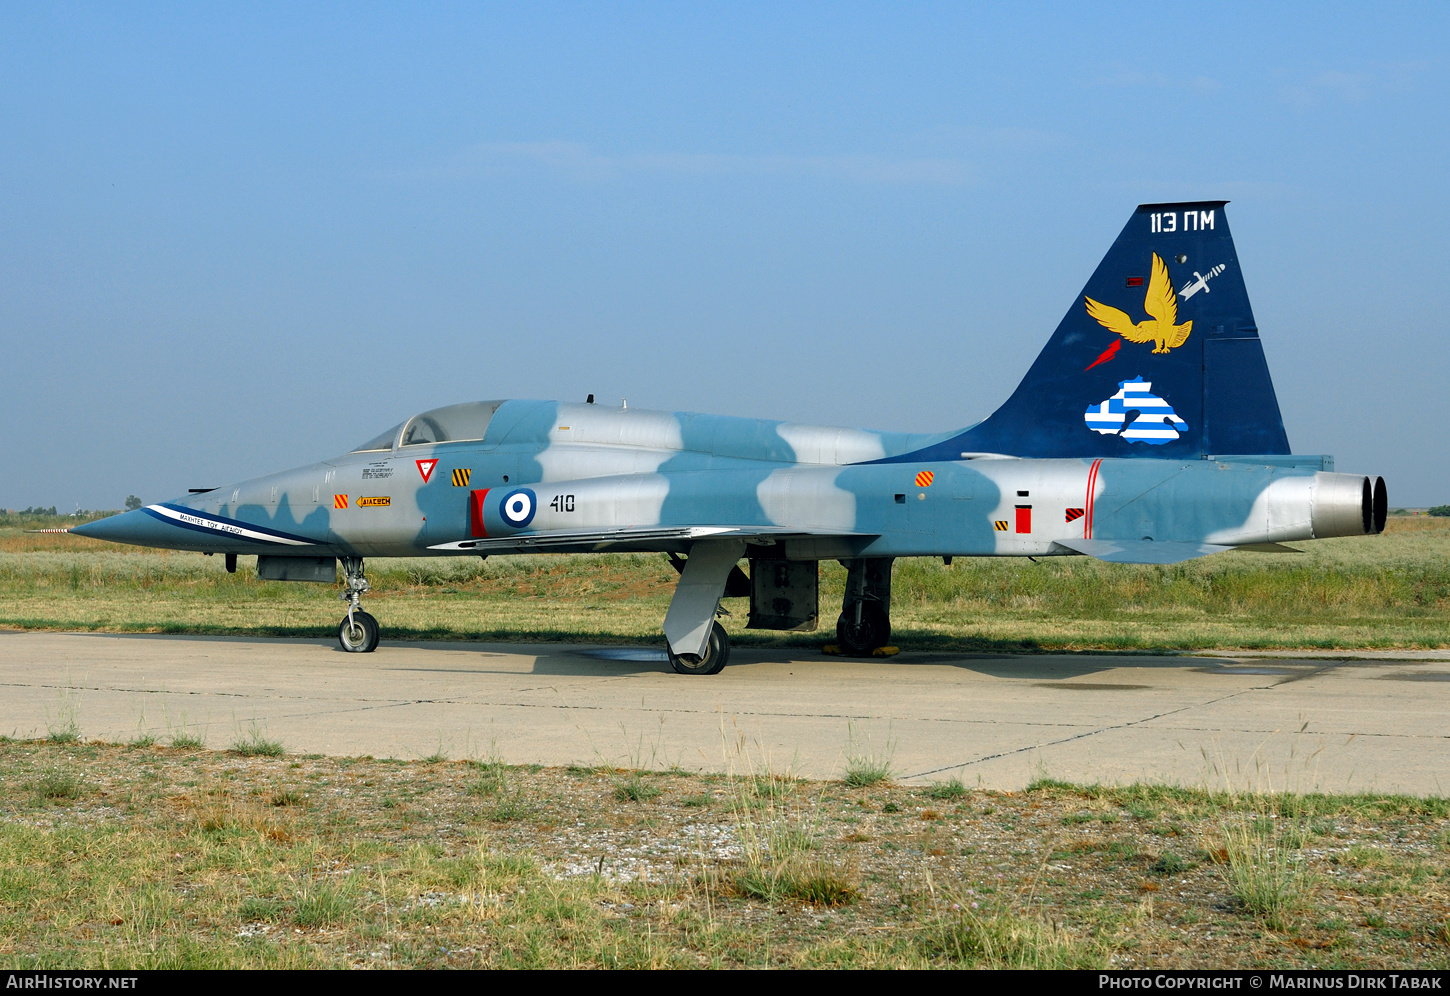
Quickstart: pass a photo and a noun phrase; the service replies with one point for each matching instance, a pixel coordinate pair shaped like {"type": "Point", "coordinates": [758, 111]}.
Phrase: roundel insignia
{"type": "Point", "coordinates": [518, 508]}
{"type": "Point", "coordinates": [924, 479]}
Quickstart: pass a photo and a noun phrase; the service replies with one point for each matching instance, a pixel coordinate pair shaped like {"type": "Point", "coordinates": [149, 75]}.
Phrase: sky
{"type": "Point", "coordinates": [236, 238]}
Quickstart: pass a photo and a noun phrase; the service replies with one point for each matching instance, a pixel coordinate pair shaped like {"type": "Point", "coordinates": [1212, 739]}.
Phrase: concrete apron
{"type": "Point", "coordinates": [1292, 722]}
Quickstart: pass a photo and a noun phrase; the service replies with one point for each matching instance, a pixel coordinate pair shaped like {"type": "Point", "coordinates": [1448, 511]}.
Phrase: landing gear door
{"type": "Point", "coordinates": [784, 595]}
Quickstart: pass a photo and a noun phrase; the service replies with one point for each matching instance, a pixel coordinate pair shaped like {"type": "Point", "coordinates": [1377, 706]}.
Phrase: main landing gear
{"type": "Point", "coordinates": [864, 626]}
{"type": "Point", "coordinates": [697, 644]}
{"type": "Point", "coordinates": [358, 632]}
{"type": "Point", "coordinates": [712, 661]}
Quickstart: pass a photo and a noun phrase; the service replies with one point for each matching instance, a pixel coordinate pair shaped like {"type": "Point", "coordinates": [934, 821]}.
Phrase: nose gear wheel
{"type": "Point", "coordinates": [358, 631]}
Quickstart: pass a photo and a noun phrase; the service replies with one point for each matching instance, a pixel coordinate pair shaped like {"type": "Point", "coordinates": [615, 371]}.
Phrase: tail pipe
{"type": "Point", "coordinates": [1348, 505]}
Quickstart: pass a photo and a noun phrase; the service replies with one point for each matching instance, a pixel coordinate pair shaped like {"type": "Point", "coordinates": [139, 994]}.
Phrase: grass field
{"type": "Point", "coordinates": [1387, 591]}
{"type": "Point", "coordinates": [149, 856]}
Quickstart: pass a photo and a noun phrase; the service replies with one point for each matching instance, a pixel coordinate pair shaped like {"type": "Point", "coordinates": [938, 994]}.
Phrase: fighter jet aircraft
{"type": "Point", "coordinates": [1147, 431]}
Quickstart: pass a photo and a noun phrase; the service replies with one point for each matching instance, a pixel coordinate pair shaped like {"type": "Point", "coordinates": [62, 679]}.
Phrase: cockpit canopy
{"type": "Point", "coordinates": [453, 424]}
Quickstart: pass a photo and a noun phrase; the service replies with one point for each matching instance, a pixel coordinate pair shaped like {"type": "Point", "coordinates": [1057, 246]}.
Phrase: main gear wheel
{"type": "Point", "coordinates": [716, 655]}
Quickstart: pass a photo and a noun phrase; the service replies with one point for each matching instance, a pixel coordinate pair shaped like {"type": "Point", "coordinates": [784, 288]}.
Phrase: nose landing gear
{"type": "Point", "coordinates": [358, 632]}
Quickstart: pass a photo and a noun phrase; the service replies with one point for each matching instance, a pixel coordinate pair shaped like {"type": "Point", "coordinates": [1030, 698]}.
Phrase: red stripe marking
{"type": "Point", "coordinates": [475, 511]}
{"type": "Point", "coordinates": [1087, 526]}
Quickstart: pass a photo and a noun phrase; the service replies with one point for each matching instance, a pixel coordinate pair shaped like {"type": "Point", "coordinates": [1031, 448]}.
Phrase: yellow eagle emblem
{"type": "Point", "coordinates": [1161, 303]}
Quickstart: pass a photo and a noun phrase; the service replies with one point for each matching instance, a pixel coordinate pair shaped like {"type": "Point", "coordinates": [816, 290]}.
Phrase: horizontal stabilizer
{"type": "Point", "coordinates": [1141, 551]}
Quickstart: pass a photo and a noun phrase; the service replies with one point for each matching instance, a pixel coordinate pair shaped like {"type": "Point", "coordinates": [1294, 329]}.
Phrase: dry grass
{"type": "Point", "coordinates": [155, 857]}
{"type": "Point", "coordinates": [868, 762]}
{"type": "Point", "coordinates": [255, 743]}
{"type": "Point", "coordinates": [1261, 859]}
{"type": "Point", "coordinates": [1008, 940]}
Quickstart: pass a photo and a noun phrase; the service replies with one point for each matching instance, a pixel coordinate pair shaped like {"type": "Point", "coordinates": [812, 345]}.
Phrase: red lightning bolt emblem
{"type": "Point", "coordinates": [1105, 356]}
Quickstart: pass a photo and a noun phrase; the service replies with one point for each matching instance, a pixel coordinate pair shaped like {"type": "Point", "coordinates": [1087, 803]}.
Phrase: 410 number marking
{"type": "Point", "coordinates": [562, 503]}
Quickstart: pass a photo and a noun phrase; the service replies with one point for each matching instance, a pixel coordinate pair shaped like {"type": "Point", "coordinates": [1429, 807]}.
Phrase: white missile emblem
{"type": "Point", "coordinates": [1200, 283]}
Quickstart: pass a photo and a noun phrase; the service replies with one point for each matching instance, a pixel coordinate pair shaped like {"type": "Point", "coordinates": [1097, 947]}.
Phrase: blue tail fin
{"type": "Point", "coordinates": [1159, 356]}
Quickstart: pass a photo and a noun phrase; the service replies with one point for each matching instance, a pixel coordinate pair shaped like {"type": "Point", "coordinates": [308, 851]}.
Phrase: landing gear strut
{"type": "Point", "coordinates": [358, 632]}
{"type": "Point", "coordinates": [865, 621]}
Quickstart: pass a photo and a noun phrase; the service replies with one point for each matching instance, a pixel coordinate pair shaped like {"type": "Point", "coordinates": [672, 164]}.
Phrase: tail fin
{"type": "Point", "coordinates": [1159, 356]}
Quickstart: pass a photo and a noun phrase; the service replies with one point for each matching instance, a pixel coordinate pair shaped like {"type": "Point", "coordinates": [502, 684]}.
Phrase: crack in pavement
{"type": "Point", "coordinates": [259, 694]}
{"type": "Point", "coordinates": [1309, 673]}
{"type": "Point", "coordinates": [1307, 733]}
{"type": "Point", "coordinates": [608, 707]}
{"type": "Point", "coordinates": [1083, 736]}
{"type": "Point", "coordinates": [1148, 719]}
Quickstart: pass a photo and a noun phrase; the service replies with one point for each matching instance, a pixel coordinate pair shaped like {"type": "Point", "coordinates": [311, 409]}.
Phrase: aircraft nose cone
{"type": "Point", "coordinates": [138, 527]}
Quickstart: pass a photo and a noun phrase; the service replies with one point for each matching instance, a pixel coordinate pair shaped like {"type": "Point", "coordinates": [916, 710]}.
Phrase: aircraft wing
{"type": "Point", "coordinates": [1141, 551]}
{"type": "Point", "coordinates": [1152, 552]}
{"type": "Point", "coordinates": [644, 539]}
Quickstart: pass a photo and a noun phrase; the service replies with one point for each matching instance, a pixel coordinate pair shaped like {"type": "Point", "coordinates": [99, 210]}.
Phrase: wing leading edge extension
{"type": "Point", "coordinates": [638, 539]}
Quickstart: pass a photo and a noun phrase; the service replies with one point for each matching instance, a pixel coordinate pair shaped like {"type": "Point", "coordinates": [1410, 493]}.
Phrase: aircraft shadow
{"type": "Point", "coordinates": [605, 661]}
{"type": "Point", "coordinates": [567, 658]}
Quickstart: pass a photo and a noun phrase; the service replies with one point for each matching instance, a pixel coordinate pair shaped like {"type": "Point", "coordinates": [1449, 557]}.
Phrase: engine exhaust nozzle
{"type": "Point", "coordinates": [1348, 505]}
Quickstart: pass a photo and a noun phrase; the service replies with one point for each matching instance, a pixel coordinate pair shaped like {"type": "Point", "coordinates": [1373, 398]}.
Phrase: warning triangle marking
{"type": "Point", "coordinates": [425, 467]}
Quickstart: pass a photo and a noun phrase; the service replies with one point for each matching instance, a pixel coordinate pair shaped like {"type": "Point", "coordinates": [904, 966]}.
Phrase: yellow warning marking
{"type": "Point", "coordinates": [834, 650]}
{"type": "Point", "coordinates": [1001, 525]}
{"type": "Point", "coordinates": [924, 479]}
{"type": "Point", "coordinates": [460, 477]}
{"type": "Point", "coordinates": [339, 501]}
{"type": "Point", "coordinates": [377, 502]}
